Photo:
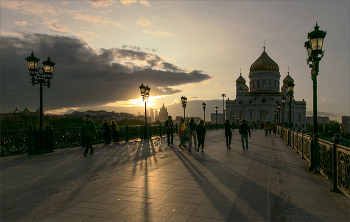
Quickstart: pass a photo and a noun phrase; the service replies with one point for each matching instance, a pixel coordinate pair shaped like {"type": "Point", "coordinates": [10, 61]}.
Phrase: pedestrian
{"type": "Point", "coordinates": [266, 128]}
{"type": "Point", "coordinates": [169, 125]}
{"type": "Point", "coordinates": [88, 131]}
{"type": "Point", "coordinates": [201, 134]}
{"type": "Point", "coordinates": [228, 133]}
{"type": "Point", "coordinates": [274, 129]}
{"type": "Point", "coordinates": [270, 128]}
{"type": "Point", "coordinates": [182, 127]}
{"type": "Point", "coordinates": [115, 131]}
{"type": "Point", "coordinates": [107, 132]}
{"type": "Point", "coordinates": [244, 130]}
{"type": "Point", "coordinates": [193, 134]}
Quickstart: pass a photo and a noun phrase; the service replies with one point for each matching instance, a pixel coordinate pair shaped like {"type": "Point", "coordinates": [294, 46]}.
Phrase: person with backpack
{"type": "Point", "coordinates": [244, 130]}
{"type": "Point", "coordinates": [228, 133]}
{"type": "Point", "coordinates": [88, 131]}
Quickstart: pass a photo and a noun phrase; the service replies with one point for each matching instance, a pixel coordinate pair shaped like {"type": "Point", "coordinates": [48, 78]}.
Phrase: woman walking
{"type": "Point", "coordinates": [201, 134]}
{"type": "Point", "coordinates": [228, 133]}
{"type": "Point", "coordinates": [182, 127]}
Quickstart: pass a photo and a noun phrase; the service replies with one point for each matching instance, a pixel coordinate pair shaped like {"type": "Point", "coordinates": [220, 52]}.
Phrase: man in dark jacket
{"type": "Point", "coordinates": [169, 125]}
{"type": "Point", "coordinates": [88, 131]}
{"type": "Point", "coordinates": [244, 130]}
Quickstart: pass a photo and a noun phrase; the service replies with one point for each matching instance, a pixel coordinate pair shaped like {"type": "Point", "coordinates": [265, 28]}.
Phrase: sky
{"type": "Point", "coordinates": [105, 49]}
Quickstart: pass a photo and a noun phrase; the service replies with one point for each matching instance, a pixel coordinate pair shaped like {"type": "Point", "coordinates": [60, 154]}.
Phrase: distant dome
{"type": "Point", "coordinates": [240, 80]}
{"type": "Point", "coordinates": [264, 62]}
{"type": "Point", "coordinates": [288, 79]}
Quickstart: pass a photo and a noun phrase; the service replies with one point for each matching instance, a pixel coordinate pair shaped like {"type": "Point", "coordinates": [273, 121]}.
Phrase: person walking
{"type": "Point", "coordinates": [244, 130]}
{"type": "Point", "coordinates": [115, 131]}
{"type": "Point", "coordinates": [193, 134]}
{"type": "Point", "coordinates": [107, 132]}
{"type": "Point", "coordinates": [266, 128]}
{"type": "Point", "coordinates": [274, 129]}
{"type": "Point", "coordinates": [88, 131]}
{"type": "Point", "coordinates": [201, 134]}
{"type": "Point", "coordinates": [182, 127]}
{"type": "Point", "coordinates": [169, 125]}
{"type": "Point", "coordinates": [228, 133]}
{"type": "Point", "coordinates": [270, 128]}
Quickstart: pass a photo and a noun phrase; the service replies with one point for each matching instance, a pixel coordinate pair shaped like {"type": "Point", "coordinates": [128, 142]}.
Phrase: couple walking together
{"type": "Point", "coordinates": [244, 130]}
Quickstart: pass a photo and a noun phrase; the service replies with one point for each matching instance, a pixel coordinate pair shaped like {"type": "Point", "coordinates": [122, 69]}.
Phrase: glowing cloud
{"type": "Point", "coordinates": [158, 33]}
{"type": "Point", "coordinates": [142, 21]}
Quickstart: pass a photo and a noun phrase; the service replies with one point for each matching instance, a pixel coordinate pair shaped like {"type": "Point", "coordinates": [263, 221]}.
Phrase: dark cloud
{"type": "Point", "coordinates": [83, 76]}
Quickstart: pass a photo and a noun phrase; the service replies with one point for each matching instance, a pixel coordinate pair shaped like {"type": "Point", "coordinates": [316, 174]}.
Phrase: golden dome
{"type": "Point", "coordinates": [288, 79]}
{"type": "Point", "coordinates": [240, 80]}
{"type": "Point", "coordinates": [264, 62]}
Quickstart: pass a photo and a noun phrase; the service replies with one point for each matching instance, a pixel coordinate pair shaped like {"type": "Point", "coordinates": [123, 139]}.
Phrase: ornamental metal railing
{"type": "Point", "coordinates": [33, 141]}
{"type": "Point", "coordinates": [333, 160]}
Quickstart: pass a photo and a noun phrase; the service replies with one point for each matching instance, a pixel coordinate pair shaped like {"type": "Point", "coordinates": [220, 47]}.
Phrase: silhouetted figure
{"type": "Point", "coordinates": [107, 132]}
{"type": "Point", "coordinates": [88, 131]}
{"type": "Point", "coordinates": [244, 130]}
{"type": "Point", "coordinates": [228, 133]}
{"type": "Point", "coordinates": [182, 127]}
{"type": "Point", "coordinates": [115, 131]}
{"type": "Point", "coordinates": [201, 134]}
{"type": "Point", "coordinates": [193, 133]}
{"type": "Point", "coordinates": [169, 125]}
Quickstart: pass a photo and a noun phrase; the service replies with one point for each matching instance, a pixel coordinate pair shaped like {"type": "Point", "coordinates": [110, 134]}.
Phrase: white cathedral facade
{"type": "Point", "coordinates": [258, 102]}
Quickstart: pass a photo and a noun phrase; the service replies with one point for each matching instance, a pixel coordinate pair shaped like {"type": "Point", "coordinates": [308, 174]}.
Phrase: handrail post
{"type": "Point", "coordinates": [335, 166]}
{"type": "Point", "coordinates": [302, 146]}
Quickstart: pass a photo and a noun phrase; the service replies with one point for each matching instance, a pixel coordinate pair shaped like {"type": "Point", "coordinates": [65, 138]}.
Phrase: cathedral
{"type": "Point", "coordinates": [258, 102]}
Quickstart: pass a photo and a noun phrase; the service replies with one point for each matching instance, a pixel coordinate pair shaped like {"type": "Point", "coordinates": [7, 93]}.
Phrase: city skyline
{"type": "Point", "coordinates": [104, 50]}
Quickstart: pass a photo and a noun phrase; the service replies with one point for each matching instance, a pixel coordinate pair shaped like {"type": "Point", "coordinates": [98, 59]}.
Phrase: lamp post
{"type": "Point", "coordinates": [145, 94]}
{"type": "Point", "coordinates": [40, 76]}
{"type": "Point", "coordinates": [184, 102]}
{"type": "Point", "coordinates": [224, 116]}
{"type": "Point", "coordinates": [283, 102]}
{"type": "Point", "coordinates": [279, 113]}
{"type": "Point", "coordinates": [204, 106]}
{"type": "Point", "coordinates": [216, 120]}
{"type": "Point", "coordinates": [314, 51]}
{"type": "Point", "coordinates": [223, 106]}
{"type": "Point", "coordinates": [237, 121]}
{"type": "Point", "coordinates": [290, 87]}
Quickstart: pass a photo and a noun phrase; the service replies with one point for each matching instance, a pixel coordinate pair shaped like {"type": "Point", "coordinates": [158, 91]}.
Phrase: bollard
{"type": "Point", "coordinates": [335, 165]}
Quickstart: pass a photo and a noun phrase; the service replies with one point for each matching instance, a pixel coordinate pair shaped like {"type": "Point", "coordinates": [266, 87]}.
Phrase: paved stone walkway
{"type": "Point", "coordinates": [150, 181]}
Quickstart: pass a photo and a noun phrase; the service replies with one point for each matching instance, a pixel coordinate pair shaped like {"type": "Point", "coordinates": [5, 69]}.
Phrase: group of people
{"type": "Point", "coordinates": [190, 130]}
{"type": "Point", "coordinates": [268, 127]}
{"type": "Point", "coordinates": [187, 132]}
{"type": "Point", "coordinates": [88, 131]}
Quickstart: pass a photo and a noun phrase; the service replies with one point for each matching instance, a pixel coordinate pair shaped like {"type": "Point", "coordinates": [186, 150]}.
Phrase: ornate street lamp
{"type": "Point", "coordinates": [290, 87]}
{"type": "Point", "coordinates": [40, 76]}
{"type": "Point", "coordinates": [184, 102]}
{"type": "Point", "coordinates": [315, 53]}
{"type": "Point", "coordinates": [145, 94]}
{"type": "Point", "coordinates": [204, 106]}
{"type": "Point", "coordinates": [223, 105]}
{"type": "Point", "coordinates": [216, 120]}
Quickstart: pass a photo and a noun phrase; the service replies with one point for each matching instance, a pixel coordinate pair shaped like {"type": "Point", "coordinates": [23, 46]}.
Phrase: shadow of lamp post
{"type": "Point", "coordinates": [145, 94]}
{"type": "Point", "coordinates": [314, 51]}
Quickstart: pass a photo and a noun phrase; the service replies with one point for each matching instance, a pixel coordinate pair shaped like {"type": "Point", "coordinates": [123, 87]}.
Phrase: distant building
{"type": "Point", "coordinates": [22, 119]}
{"type": "Point", "coordinates": [151, 114]}
{"type": "Point", "coordinates": [320, 119]}
{"type": "Point", "coordinates": [258, 102]}
{"type": "Point", "coordinates": [101, 115]}
{"type": "Point", "coordinates": [345, 125]}
{"type": "Point", "coordinates": [163, 114]}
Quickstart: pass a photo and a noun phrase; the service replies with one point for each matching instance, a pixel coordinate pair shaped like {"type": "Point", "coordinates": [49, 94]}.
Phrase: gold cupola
{"type": "Point", "coordinates": [264, 62]}
{"type": "Point", "coordinates": [288, 78]}
{"type": "Point", "coordinates": [240, 79]}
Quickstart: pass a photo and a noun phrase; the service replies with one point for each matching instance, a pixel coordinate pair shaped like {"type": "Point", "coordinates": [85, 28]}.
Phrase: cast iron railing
{"type": "Point", "coordinates": [333, 160]}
